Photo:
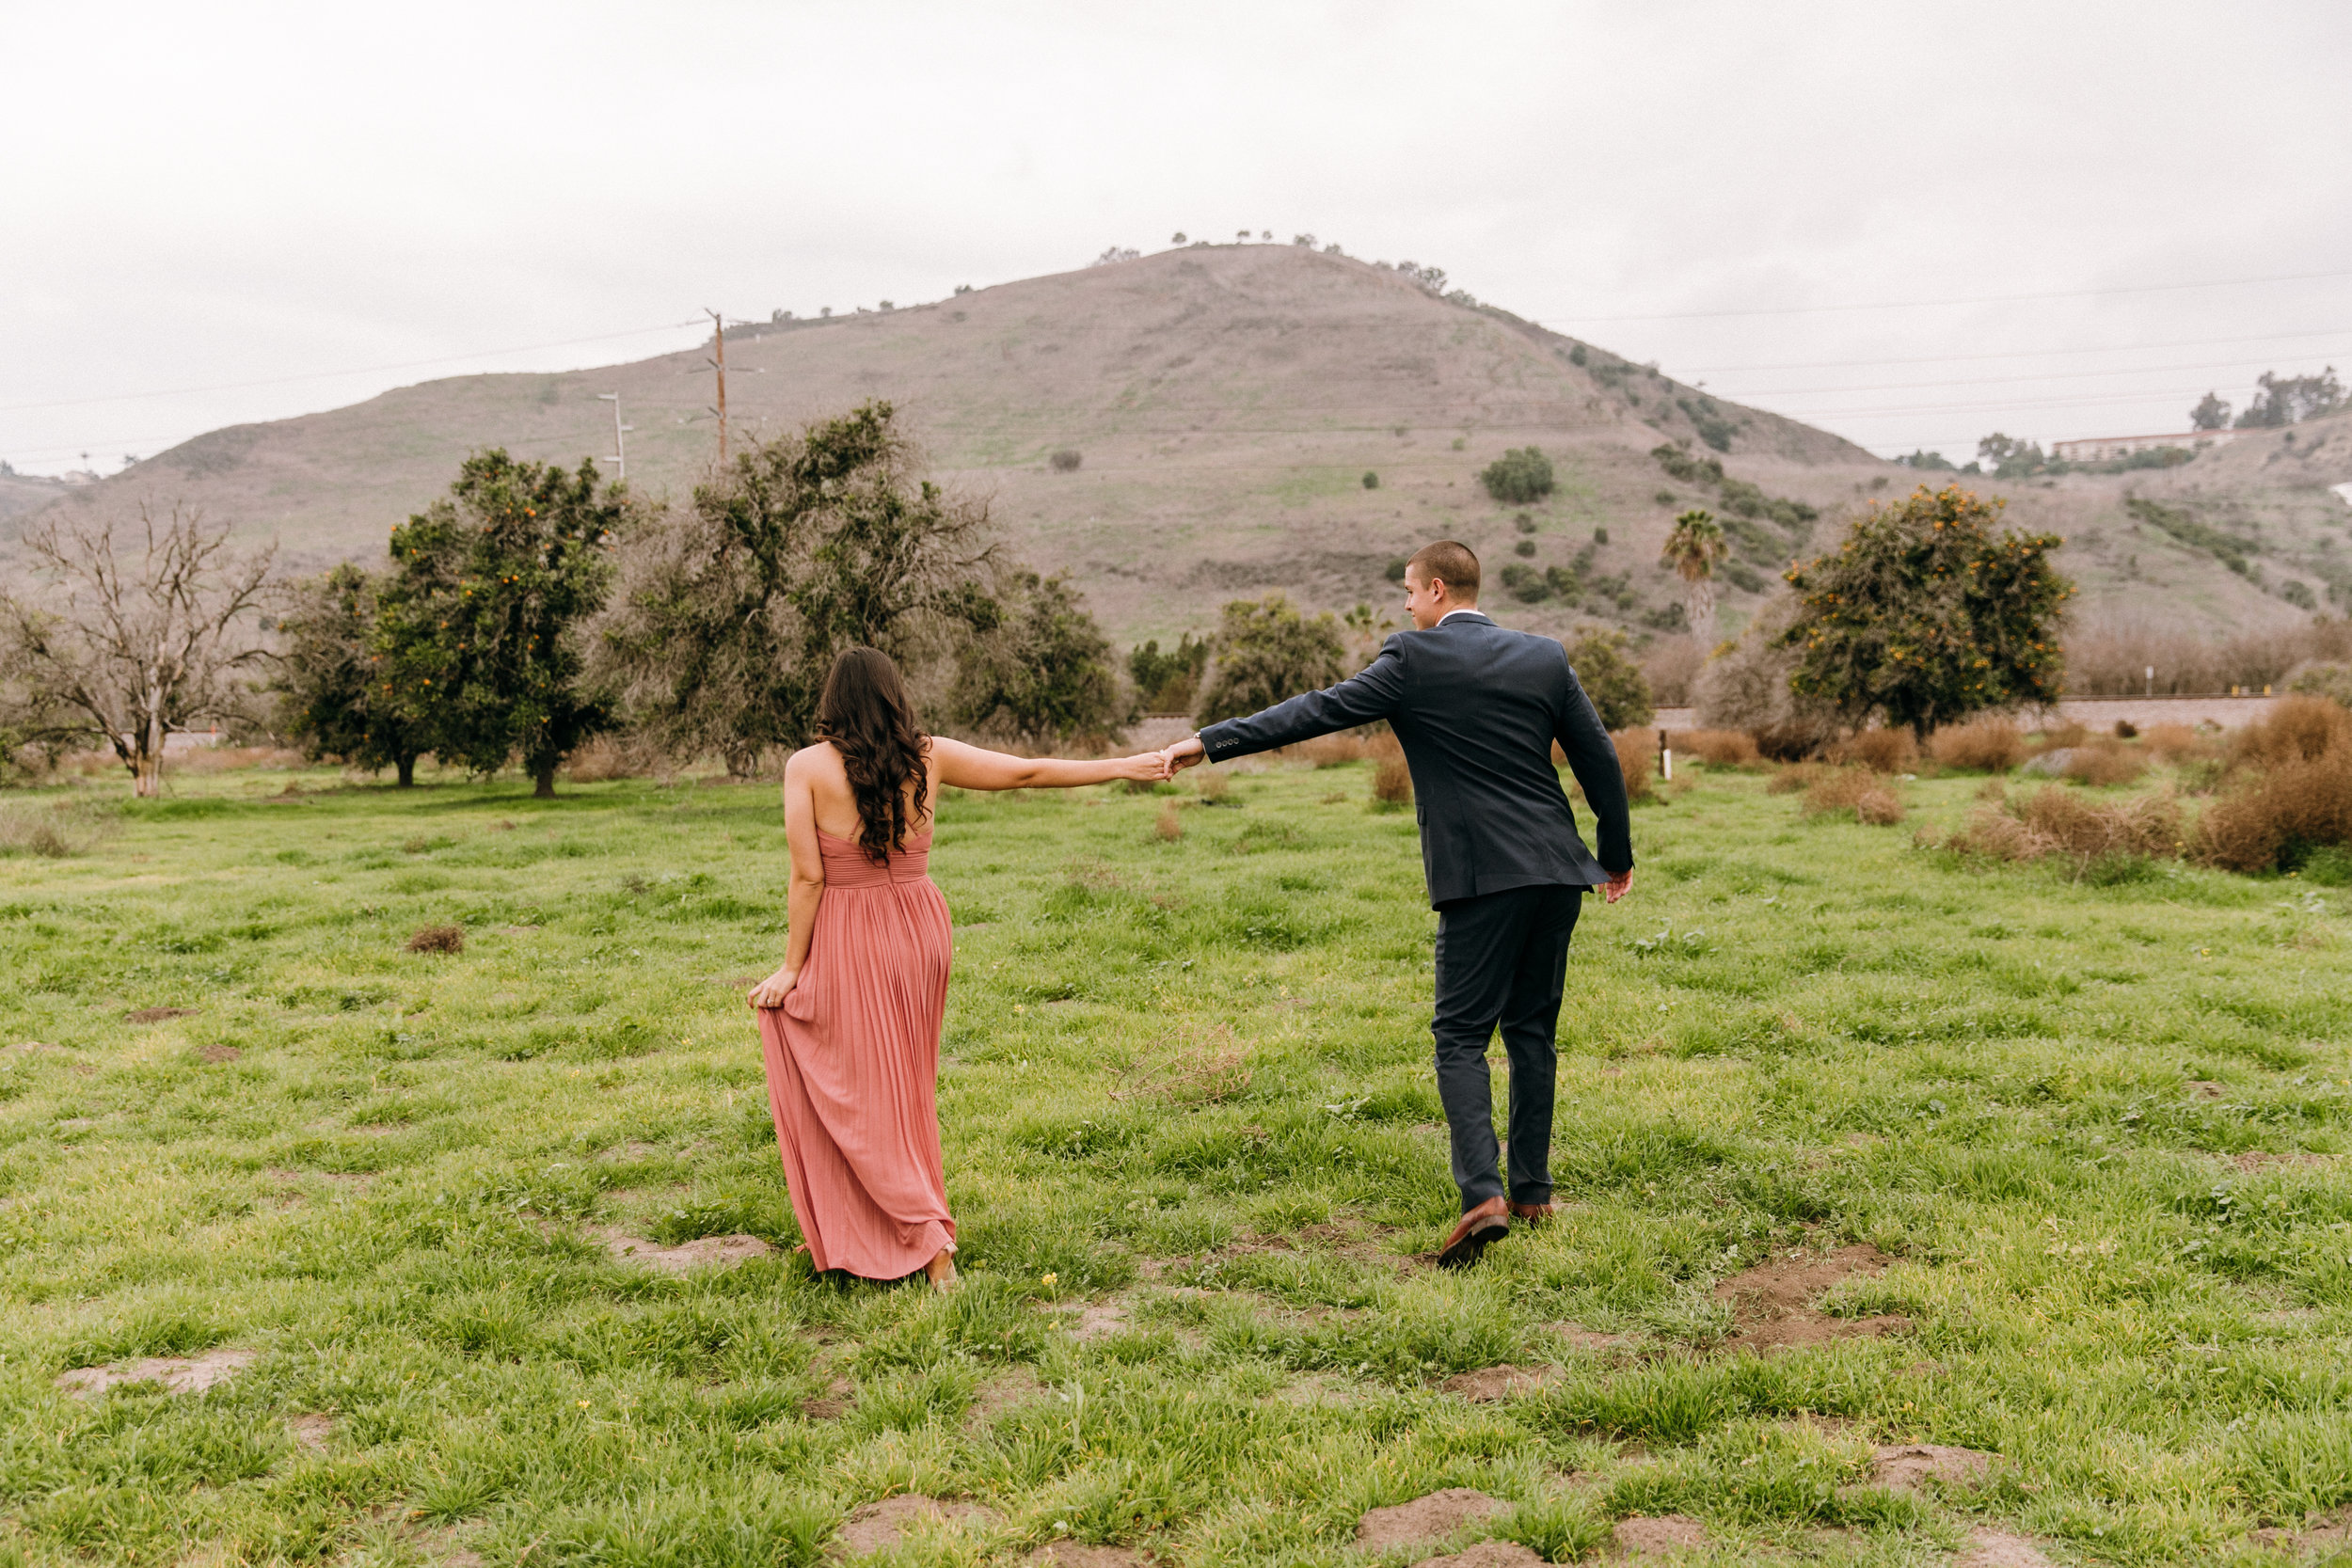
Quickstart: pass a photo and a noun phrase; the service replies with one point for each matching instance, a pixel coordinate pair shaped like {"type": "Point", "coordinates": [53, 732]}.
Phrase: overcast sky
{"type": "Point", "coordinates": [226, 213]}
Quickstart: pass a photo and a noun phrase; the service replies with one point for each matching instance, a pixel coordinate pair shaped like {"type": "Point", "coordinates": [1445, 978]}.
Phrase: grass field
{"type": "Point", "coordinates": [1193, 1143]}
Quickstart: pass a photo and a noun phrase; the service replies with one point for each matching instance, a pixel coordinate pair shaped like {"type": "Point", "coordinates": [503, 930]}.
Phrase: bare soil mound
{"type": "Point", "coordinates": [1903, 1468]}
{"type": "Point", "coordinates": [1423, 1520]}
{"type": "Point", "coordinates": [1668, 1532]}
{"type": "Point", "coordinates": [878, 1527]}
{"type": "Point", "coordinates": [1488, 1384]}
{"type": "Point", "coordinates": [1772, 1304]}
{"type": "Point", "coordinates": [1487, 1554]}
{"type": "Point", "coordinates": [704, 1252]}
{"type": "Point", "coordinates": [179, 1374]}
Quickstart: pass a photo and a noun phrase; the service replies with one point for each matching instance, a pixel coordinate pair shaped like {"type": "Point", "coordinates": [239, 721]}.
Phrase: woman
{"type": "Point", "coordinates": [850, 1024]}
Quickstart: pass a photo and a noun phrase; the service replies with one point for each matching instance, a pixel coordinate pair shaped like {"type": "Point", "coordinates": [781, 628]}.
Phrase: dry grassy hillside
{"type": "Point", "coordinates": [1227, 402]}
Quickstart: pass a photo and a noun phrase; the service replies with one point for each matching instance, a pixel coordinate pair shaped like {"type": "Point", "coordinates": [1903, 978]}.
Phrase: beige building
{"type": "Point", "coordinates": [2106, 448]}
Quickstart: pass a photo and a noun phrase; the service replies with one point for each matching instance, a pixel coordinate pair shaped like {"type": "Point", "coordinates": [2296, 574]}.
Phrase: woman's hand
{"type": "Point", "coordinates": [771, 991]}
{"type": "Point", "coordinates": [1144, 767]}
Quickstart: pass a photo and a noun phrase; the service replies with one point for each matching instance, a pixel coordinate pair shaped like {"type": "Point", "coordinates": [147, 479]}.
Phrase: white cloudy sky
{"type": "Point", "coordinates": [1911, 223]}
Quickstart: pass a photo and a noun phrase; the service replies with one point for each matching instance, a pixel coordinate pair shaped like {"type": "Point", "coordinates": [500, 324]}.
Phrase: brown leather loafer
{"type": "Point", "coordinates": [1490, 1222]}
{"type": "Point", "coordinates": [1534, 1213]}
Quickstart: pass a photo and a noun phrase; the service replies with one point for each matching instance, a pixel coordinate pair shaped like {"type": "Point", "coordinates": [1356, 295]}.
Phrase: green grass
{"type": "Point", "coordinates": [1793, 1034]}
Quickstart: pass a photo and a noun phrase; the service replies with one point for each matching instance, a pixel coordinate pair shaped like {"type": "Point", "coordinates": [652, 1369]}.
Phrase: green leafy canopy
{"type": "Point", "coordinates": [1926, 614]}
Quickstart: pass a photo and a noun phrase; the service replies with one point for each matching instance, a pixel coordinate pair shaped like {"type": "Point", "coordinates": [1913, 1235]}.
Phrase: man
{"type": "Point", "coordinates": [1477, 709]}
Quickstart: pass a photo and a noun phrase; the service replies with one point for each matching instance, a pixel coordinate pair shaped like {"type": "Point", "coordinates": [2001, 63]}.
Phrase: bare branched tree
{"type": "Point", "coordinates": [124, 642]}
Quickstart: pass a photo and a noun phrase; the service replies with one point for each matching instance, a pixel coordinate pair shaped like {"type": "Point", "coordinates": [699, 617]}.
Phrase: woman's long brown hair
{"type": "Point", "coordinates": [864, 712]}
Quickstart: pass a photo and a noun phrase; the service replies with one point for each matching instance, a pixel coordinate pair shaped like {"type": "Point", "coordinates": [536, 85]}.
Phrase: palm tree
{"type": "Point", "coordinates": [1693, 547]}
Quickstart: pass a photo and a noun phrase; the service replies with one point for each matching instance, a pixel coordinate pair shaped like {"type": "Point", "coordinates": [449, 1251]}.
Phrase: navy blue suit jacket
{"type": "Point", "coordinates": [1477, 708]}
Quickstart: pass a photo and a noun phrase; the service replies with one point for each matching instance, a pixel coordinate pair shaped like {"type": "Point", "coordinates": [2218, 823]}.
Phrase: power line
{"type": "Point", "coordinates": [2014, 354]}
{"type": "Point", "coordinates": [1974, 299]}
{"type": "Point", "coordinates": [1992, 380]}
{"type": "Point", "coordinates": [328, 376]}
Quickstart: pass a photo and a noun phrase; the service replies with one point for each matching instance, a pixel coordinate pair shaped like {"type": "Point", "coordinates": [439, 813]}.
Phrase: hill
{"type": "Point", "coordinates": [1227, 404]}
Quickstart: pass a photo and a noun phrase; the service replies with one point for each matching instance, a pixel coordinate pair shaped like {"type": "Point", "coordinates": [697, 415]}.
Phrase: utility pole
{"type": "Point", "coordinates": [719, 342]}
{"type": "Point", "coordinates": [620, 447]}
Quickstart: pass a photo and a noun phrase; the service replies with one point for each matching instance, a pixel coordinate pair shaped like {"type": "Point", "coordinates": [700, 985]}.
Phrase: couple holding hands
{"type": "Point", "coordinates": [849, 1026]}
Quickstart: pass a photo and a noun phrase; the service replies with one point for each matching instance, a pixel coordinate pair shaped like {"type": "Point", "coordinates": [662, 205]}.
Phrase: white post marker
{"type": "Point", "coordinates": [1665, 757]}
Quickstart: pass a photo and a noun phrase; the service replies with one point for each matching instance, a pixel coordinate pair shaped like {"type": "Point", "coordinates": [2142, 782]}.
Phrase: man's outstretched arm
{"type": "Point", "coordinates": [1358, 700]}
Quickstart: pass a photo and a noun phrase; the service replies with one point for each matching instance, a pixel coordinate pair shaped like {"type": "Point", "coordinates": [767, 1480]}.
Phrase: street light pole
{"type": "Point", "coordinates": [620, 447]}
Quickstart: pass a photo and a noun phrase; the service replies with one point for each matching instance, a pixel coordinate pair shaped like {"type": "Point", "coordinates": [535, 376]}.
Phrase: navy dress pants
{"type": "Point", "coordinates": [1502, 958]}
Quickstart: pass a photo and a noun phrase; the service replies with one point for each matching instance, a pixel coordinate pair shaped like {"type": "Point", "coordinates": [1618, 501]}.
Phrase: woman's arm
{"type": "Point", "coordinates": [971, 767]}
{"type": "Point", "coordinates": [807, 886]}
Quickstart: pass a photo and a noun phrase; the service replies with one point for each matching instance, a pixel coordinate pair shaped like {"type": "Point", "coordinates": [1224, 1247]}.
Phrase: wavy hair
{"type": "Point", "coordinates": [864, 712]}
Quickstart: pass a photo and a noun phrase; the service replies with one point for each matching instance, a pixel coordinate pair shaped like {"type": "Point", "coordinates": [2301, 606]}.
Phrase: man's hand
{"type": "Point", "coordinates": [1618, 886]}
{"type": "Point", "coordinates": [1184, 754]}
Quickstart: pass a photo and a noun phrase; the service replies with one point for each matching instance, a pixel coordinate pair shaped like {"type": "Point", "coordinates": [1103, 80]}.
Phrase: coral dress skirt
{"type": "Point", "coordinates": [853, 1066]}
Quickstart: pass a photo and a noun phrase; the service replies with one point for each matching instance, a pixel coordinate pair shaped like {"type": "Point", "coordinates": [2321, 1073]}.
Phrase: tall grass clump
{"type": "Point", "coordinates": [1982, 746]}
{"type": "Point", "coordinates": [2053, 822]}
{"type": "Point", "coordinates": [54, 829]}
{"type": "Point", "coordinates": [1859, 790]}
{"type": "Point", "coordinates": [2288, 791]}
{"type": "Point", "coordinates": [1719, 748]}
{"type": "Point", "coordinates": [1880, 750]}
{"type": "Point", "coordinates": [2103, 763]}
{"type": "Point", "coordinates": [1637, 759]}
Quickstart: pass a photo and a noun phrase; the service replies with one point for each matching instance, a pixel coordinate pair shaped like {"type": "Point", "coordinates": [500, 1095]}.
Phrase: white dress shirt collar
{"type": "Point", "coordinates": [1465, 609]}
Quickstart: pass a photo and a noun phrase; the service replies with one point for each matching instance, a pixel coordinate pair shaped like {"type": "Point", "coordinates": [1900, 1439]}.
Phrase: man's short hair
{"type": "Point", "coordinates": [1452, 564]}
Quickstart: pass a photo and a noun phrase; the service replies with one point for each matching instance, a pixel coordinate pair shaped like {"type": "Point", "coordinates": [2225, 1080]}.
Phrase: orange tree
{"type": "Point", "coordinates": [1926, 614]}
{"type": "Point", "coordinates": [476, 641]}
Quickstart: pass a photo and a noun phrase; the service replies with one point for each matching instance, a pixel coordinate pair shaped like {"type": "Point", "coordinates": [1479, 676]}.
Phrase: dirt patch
{"type": "Point", "coordinates": [1488, 1384]}
{"type": "Point", "coordinates": [879, 1527]}
{"type": "Point", "coordinates": [1073, 1554]}
{"type": "Point", "coordinates": [342, 1177]}
{"type": "Point", "coordinates": [437, 939]}
{"type": "Point", "coordinates": [1902, 1468]}
{"type": "Point", "coordinates": [157, 1015]}
{"type": "Point", "coordinates": [179, 1374]}
{"type": "Point", "coordinates": [1667, 1532]}
{"type": "Point", "coordinates": [219, 1052]}
{"type": "Point", "coordinates": [2253, 1160]}
{"type": "Point", "coordinates": [1096, 1320]}
{"type": "Point", "coordinates": [312, 1431]}
{"type": "Point", "coordinates": [1487, 1554]}
{"type": "Point", "coordinates": [832, 1403]}
{"type": "Point", "coordinates": [1578, 1337]}
{"type": "Point", "coordinates": [1993, 1548]}
{"type": "Point", "coordinates": [1773, 1303]}
{"type": "Point", "coordinates": [705, 1252]}
{"type": "Point", "coordinates": [1007, 1390]}
{"type": "Point", "coordinates": [2318, 1530]}
{"type": "Point", "coordinates": [1424, 1519]}
{"type": "Point", "coordinates": [2204, 1088]}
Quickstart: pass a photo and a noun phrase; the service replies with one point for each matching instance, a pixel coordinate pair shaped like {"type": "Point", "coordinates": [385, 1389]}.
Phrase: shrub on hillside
{"type": "Point", "coordinates": [2054, 821]}
{"type": "Point", "coordinates": [1066, 461]}
{"type": "Point", "coordinates": [1880, 750]}
{"type": "Point", "coordinates": [1983, 746]}
{"type": "Point", "coordinates": [1519, 476]}
{"type": "Point", "coordinates": [2317, 679]}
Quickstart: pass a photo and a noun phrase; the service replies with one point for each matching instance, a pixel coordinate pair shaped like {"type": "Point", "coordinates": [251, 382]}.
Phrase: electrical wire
{"type": "Point", "coordinates": [1930, 304]}
{"type": "Point", "coordinates": [328, 376]}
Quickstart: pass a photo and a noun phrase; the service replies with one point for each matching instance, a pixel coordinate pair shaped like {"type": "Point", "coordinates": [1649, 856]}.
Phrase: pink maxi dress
{"type": "Point", "coordinates": [853, 1066]}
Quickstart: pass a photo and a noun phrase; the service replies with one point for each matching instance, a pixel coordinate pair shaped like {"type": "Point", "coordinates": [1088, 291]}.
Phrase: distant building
{"type": "Point", "coordinates": [2106, 448]}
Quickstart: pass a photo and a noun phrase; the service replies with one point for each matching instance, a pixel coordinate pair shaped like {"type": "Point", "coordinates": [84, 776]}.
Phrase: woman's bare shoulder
{"type": "Point", "coordinates": [817, 758]}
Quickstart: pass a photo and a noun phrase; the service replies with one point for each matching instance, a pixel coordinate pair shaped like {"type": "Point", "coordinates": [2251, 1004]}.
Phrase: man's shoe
{"type": "Point", "coordinates": [1490, 1222]}
{"type": "Point", "coordinates": [1534, 1213]}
